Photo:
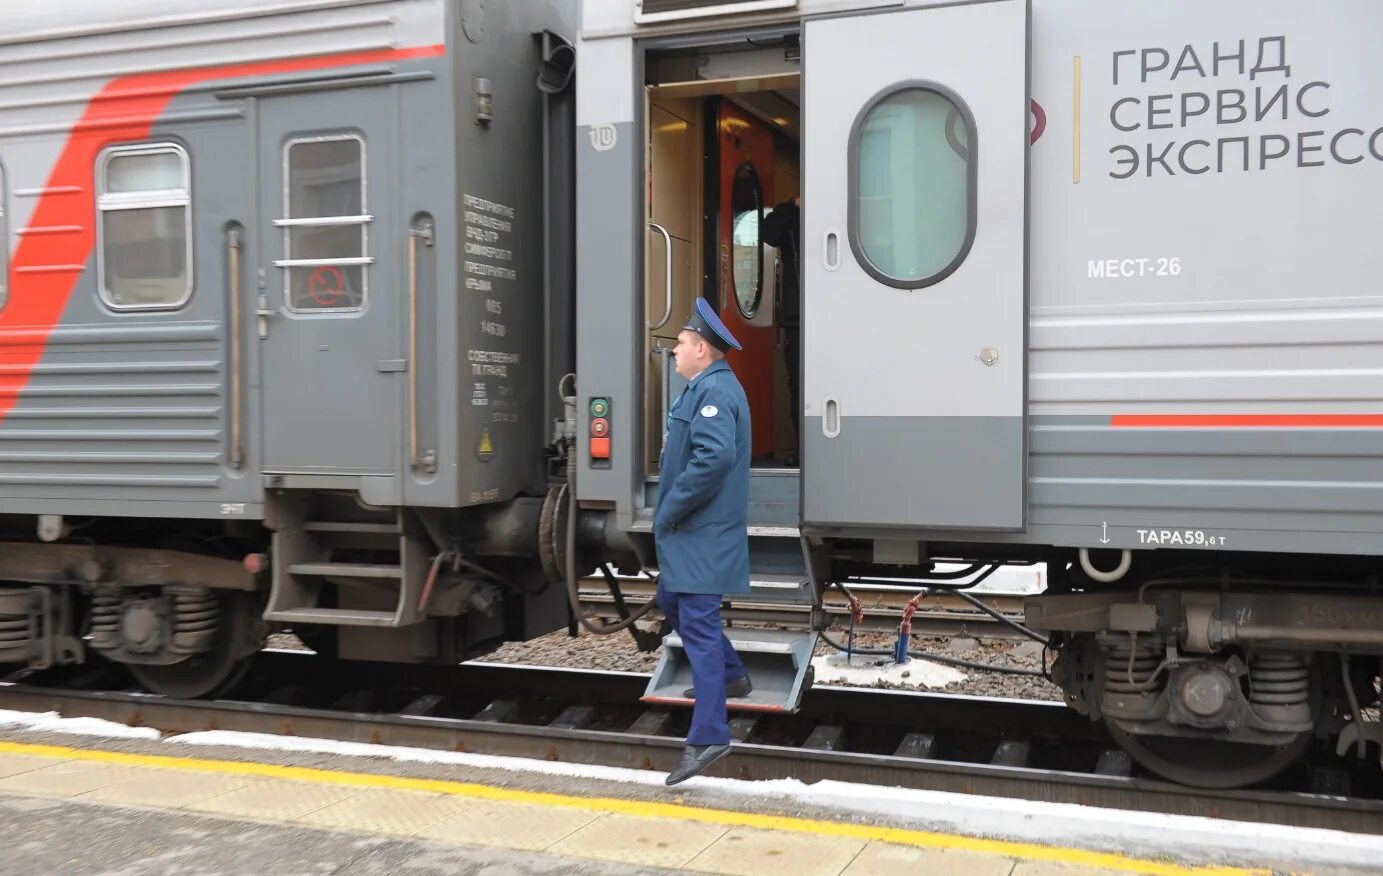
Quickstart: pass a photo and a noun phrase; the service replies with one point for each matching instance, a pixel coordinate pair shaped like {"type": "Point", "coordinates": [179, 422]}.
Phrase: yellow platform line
{"type": "Point", "coordinates": [638, 808]}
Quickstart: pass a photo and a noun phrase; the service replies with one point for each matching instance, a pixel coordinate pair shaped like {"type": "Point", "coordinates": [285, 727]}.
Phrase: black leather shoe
{"type": "Point", "coordinates": [695, 759]}
{"type": "Point", "coordinates": [740, 687]}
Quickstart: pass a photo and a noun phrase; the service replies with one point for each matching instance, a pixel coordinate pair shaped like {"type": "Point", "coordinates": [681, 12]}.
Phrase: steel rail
{"type": "Point", "coordinates": [1004, 748]}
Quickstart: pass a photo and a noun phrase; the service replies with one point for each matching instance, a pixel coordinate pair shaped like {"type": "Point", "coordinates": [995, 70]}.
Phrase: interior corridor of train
{"type": "Point", "coordinates": [723, 130]}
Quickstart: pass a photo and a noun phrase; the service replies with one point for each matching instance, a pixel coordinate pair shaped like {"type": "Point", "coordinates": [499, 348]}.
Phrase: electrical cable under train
{"type": "Point", "coordinates": [936, 658]}
{"type": "Point", "coordinates": [958, 590]}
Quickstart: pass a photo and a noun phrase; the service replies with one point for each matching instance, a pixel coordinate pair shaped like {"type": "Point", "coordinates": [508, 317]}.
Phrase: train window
{"type": "Point", "coordinates": [912, 182]}
{"type": "Point", "coordinates": [144, 212]}
{"type": "Point", "coordinates": [4, 245]}
{"type": "Point", "coordinates": [325, 230]}
{"type": "Point", "coordinates": [746, 240]}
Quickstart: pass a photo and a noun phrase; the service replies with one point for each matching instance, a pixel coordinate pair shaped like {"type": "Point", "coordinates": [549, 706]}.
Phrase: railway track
{"type": "Point", "coordinates": [1006, 748]}
{"type": "Point", "coordinates": [938, 613]}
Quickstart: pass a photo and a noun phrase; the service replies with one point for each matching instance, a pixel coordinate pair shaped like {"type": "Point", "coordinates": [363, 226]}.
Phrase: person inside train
{"type": "Point", "coordinates": [700, 528]}
{"type": "Point", "coordinates": [782, 229]}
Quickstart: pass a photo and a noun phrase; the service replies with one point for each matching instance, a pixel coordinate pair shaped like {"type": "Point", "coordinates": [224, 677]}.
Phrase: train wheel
{"type": "Point", "coordinates": [238, 639]}
{"type": "Point", "coordinates": [1208, 763]}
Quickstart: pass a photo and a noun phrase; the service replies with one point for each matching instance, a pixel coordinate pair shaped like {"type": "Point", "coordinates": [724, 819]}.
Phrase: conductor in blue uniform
{"type": "Point", "coordinates": [701, 528]}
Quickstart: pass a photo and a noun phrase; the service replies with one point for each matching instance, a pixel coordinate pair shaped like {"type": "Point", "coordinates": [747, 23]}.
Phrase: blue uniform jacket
{"type": "Point", "coordinates": [701, 523]}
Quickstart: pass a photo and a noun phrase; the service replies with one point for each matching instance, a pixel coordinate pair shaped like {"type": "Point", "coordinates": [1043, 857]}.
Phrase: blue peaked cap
{"type": "Point", "coordinates": [706, 323]}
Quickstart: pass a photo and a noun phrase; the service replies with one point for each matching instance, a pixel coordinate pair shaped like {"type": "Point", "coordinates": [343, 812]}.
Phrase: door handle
{"type": "Point", "coordinates": [262, 314]}
{"type": "Point", "coordinates": [830, 251]}
{"type": "Point", "coordinates": [830, 420]}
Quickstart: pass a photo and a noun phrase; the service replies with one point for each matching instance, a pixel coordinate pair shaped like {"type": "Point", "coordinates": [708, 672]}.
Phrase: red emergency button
{"type": "Point", "coordinates": [600, 448]}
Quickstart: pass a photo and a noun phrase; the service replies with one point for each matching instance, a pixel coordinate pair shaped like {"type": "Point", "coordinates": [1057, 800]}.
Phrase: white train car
{"type": "Point", "coordinates": [1081, 282]}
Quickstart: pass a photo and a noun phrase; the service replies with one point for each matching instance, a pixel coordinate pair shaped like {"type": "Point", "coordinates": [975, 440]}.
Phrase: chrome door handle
{"type": "Point", "coordinates": [262, 313]}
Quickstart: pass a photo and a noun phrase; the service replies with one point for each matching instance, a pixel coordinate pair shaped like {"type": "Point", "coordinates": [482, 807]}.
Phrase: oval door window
{"type": "Point", "coordinates": [912, 180]}
{"type": "Point", "coordinates": [746, 239]}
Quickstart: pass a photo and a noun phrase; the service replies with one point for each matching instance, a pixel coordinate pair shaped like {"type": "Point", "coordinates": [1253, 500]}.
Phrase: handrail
{"type": "Point", "coordinates": [667, 278]}
{"type": "Point", "coordinates": [421, 231]}
{"type": "Point", "coordinates": [237, 453]}
{"type": "Point", "coordinates": [665, 386]}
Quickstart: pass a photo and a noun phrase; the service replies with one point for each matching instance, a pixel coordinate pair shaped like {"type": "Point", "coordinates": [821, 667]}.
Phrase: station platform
{"type": "Point", "coordinates": [136, 804]}
{"type": "Point", "coordinates": [571, 828]}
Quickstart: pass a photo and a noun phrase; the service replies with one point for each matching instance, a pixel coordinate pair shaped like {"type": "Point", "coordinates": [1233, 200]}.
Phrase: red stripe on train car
{"type": "Point", "coordinates": [1248, 421]}
{"type": "Point", "coordinates": [45, 267]}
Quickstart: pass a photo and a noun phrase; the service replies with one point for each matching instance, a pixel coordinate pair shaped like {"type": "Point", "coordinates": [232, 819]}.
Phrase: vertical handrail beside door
{"type": "Point", "coordinates": [233, 243]}
{"type": "Point", "coordinates": [667, 277]}
{"type": "Point", "coordinates": [665, 359]}
{"type": "Point", "coordinates": [419, 230]}
{"type": "Point", "coordinates": [661, 352]}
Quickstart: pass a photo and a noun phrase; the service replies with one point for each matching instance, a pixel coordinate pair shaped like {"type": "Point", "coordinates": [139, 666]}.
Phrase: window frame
{"type": "Point", "coordinates": [149, 199]}
{"type": "Point", "coordinates": [287, 223]}
{"type": "Point", "coordinates": [759, 243]}
{"type": "Point", "coordinates": [853, 182]}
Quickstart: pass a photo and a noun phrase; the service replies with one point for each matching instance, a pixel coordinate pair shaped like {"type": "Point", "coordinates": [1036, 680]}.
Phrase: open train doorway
{"type": "Point", "coordinates": [900, 287]}
{"type": "Point", "coordinates": [722, 207]}
{"type": "Point", "coordinates": [723, 196]}
{"type": "Point", "coordinates": [694, 141]}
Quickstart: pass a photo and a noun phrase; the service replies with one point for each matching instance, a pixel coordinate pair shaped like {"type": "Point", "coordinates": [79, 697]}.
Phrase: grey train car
{"type": "Point", "coordinates": [352, 317]}
{"type": "Point", "coordinates": [277, 275]}
{"type": "Point", "coordinates": [1083, 283]}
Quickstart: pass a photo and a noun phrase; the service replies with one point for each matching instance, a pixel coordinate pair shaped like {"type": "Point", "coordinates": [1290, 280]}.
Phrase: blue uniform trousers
{"type": "Point", "coordinates": [696, 618]}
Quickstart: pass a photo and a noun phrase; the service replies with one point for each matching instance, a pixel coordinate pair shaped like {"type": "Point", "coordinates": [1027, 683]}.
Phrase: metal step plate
{"type": "Point", "coordinates": [777, 660]}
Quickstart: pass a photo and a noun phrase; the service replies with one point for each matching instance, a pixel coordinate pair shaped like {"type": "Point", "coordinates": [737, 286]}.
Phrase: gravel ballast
{"type": "Point", "coordinates": [618, 652]}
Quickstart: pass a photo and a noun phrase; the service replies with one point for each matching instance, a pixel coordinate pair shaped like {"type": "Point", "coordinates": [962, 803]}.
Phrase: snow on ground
{"type": "Point", "coordinates": [1133, 833]}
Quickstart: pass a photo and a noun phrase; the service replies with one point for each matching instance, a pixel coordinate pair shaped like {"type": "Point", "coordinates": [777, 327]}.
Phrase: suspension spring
{"type": "Point", "coordinates": [196, 615]}
{"type": "Point", "coordinates": [106, 603]}
{"type": "Point", "coordinates": [1132, 667]}
{"type": "Point", "coordinates": [194, 610]}
{"type": "Point", "coordinates": [14, 631]}
{"type": "Point", "coordinates": [1278, 679]}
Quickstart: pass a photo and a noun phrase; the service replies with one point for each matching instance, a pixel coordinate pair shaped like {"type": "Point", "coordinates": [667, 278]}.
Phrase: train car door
{"type": "Point", "coordinates": [746, 188]}
{"type": "Point", "coordinates": [329, 297]}
{"type": "Point", "coordinates": [914, 264]}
